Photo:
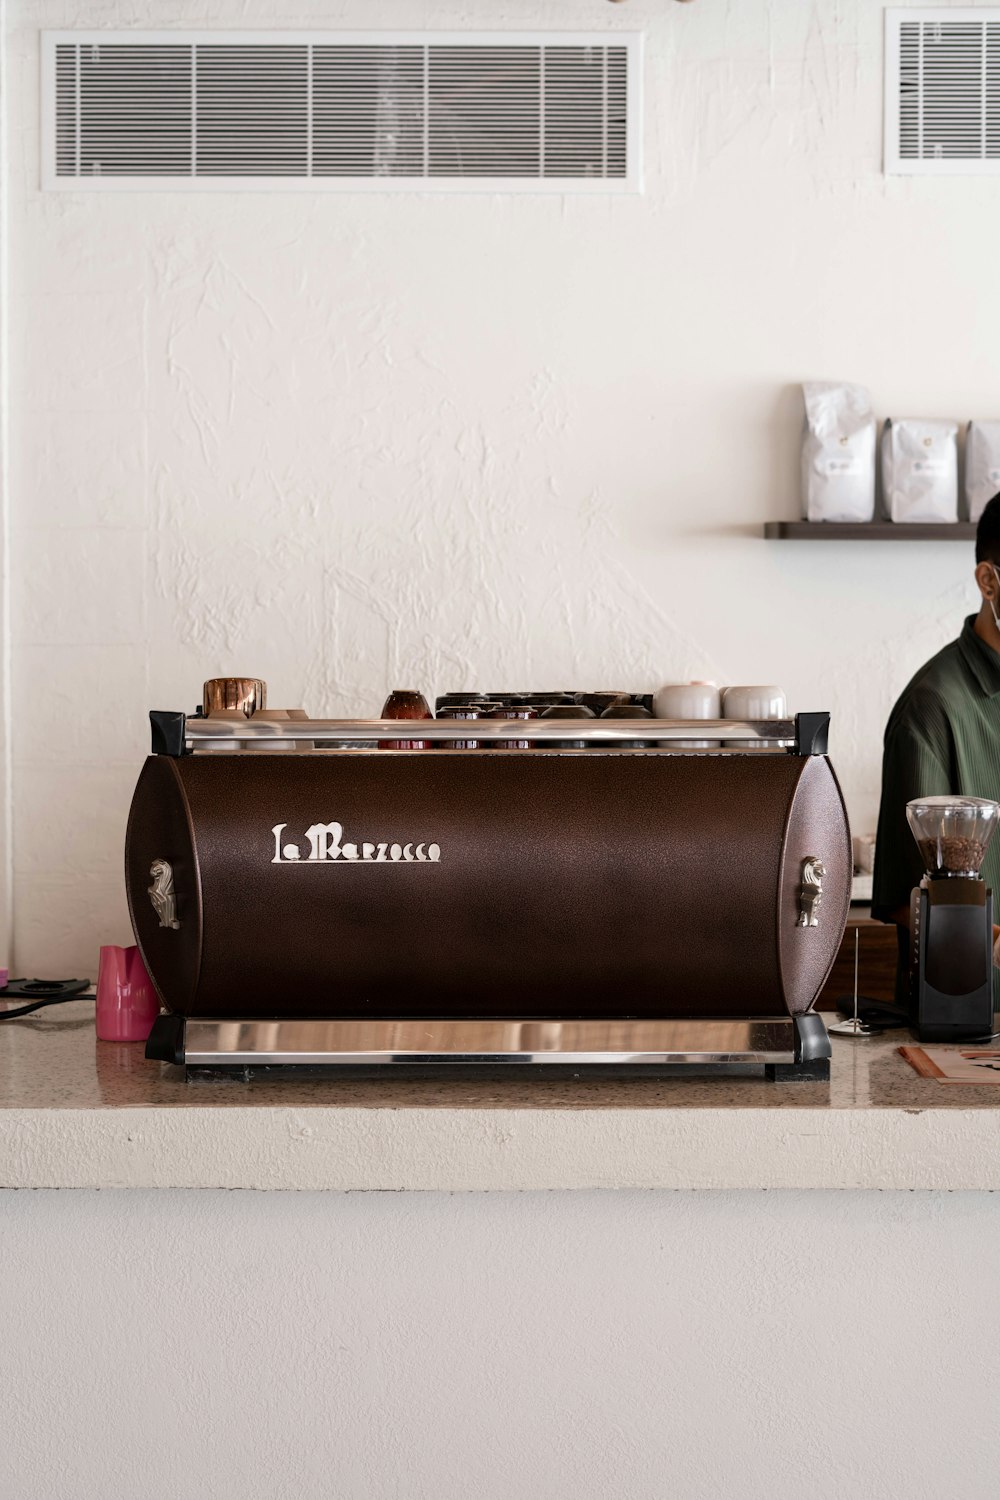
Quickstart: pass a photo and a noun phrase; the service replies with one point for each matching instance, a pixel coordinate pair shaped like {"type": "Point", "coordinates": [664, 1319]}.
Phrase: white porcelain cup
{"type": "Point", "coordinates": [754, 703]}
{"type": "Point", "coordinates": [761, 702]}
{"type": "Point", "coordinates": [688, 700]}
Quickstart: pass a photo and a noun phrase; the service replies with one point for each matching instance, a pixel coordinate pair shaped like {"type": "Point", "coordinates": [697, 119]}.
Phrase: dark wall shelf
{"type": "Point", "coordinates": [869, 531]}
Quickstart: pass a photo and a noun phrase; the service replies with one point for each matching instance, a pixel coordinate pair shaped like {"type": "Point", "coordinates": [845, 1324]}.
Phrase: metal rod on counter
{"type": "Point", "coordinates": [777, 732]}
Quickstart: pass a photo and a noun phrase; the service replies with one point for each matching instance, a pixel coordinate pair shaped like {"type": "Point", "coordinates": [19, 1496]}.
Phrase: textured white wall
{"type": "Point", "coordinates": [6, 778]}
{"type": "Point", "coordinates": [617, 1346]}
{"type": "Point", "coordinates": [352, 442]}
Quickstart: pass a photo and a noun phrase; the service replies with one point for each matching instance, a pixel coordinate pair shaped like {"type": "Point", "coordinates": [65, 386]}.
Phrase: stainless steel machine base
{"type": "Point", "coordinates": [783, 1047]}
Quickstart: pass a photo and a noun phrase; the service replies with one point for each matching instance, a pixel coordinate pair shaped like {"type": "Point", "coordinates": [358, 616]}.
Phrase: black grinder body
{"type": "Point", "coordinates": [952, 969]}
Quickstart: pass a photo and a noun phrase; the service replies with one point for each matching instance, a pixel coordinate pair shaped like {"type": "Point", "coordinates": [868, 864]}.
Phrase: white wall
{"type": "Point", "coordinates": [567, 1346]}
{"type": "Point", "coordinates": [6, 779]}
{"type": "Point", "coordinates": [352, 442]}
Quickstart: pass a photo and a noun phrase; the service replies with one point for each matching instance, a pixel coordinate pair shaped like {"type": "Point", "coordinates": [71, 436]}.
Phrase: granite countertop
{"type": "Point", "coordinates": [75, 1112]}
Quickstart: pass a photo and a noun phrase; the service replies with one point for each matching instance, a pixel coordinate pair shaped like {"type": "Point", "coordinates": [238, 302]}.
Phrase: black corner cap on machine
{"type": "Point", "coordinates": [812, 734]}
{"type": "Point", "coordinates": [167, 731]}
{"type": "Point", "coordinates": [166, 1040]}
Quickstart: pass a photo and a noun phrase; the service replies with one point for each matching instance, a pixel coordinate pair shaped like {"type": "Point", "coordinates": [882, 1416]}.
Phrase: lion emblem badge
{"type": "Point", "coordinates": [161, 893]}
{"type": "Point", "coordinates": [811, 891]}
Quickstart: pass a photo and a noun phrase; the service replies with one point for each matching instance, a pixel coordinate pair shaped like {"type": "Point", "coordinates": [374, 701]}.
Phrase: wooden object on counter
{"type": "Point", "coordinates": [876, 966]}
{"type": "Point", "coordinates": [968, 1065]}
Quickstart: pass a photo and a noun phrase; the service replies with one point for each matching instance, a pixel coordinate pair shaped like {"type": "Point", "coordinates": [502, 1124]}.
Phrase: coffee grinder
{"type": "Point", "coordinates": [951, 919]}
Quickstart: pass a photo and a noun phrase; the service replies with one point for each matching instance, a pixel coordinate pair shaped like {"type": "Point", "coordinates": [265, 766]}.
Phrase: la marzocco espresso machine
{"type": "Point", "coordinates": [951, 919]}
{"type": "Point", "coordinates": [305, 899]}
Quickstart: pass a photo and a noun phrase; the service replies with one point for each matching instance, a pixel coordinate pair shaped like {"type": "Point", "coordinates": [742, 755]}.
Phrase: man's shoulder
{"type": "Point", "coordinates": [941, 686]}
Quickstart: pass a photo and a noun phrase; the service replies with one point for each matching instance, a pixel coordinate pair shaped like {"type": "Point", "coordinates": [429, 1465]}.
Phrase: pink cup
{"type": "Point", "coordinates": [127, 1004]}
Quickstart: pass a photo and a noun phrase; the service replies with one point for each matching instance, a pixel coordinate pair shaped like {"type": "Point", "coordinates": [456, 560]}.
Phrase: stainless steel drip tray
{"type": "Point", "coordinates": [473, 1043]}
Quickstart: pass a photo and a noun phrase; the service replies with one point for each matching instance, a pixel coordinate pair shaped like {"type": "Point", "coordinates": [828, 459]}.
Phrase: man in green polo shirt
{"type": "Point", "coordinates": [943, 736]}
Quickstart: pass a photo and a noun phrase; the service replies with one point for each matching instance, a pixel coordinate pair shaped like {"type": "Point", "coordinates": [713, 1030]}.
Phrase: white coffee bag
{"type": "Point", "coordinates": [982, 466]}
{"type": "Point", "coordinates": [838, 453]}
{"type": "Point", "coordinates": [920, 470]}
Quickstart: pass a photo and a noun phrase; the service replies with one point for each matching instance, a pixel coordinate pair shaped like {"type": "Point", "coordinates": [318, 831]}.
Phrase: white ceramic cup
{"type": "Point", "coordinates": [761, 702]}
{"type": "Point", "coordinates": [754, 703]}
{"type": "Point", "coordinates": [688, 700]}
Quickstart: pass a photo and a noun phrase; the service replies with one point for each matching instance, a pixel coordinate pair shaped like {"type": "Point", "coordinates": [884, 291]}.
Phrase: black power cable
{"type": "Point", "coordinates": [48, 991]}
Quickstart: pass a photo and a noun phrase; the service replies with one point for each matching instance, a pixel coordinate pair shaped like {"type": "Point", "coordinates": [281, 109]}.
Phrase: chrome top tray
{"type": "Point", "coordinates": [806, 734]}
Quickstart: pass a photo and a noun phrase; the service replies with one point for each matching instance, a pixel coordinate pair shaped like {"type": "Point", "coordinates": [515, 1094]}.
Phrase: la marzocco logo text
{"type": "Point", "coordinates": [326, 846]}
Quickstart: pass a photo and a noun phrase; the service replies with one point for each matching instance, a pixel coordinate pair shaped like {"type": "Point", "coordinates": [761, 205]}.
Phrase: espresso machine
{"type": "Point", "coordinates": [596, 894]}
{"type": "Point", "coordinates": [951, 926]}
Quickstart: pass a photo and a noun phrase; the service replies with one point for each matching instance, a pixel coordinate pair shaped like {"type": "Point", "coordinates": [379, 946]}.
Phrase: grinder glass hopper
{"type": "Point", "coordinates": [953, 834]}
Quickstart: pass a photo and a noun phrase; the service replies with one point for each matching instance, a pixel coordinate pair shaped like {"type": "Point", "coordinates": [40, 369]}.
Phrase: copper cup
{"type": "Point", "coordinates": [228, 695]}
{"type": "Point", "coordinates": [405, 703]}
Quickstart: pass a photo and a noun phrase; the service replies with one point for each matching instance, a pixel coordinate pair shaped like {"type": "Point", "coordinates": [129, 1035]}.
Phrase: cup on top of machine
{"type": "Point", "coordinates": [513, 711]}
{"type": "Point", "coordinates": [405, 703]}
{"type": "Point", "coordinates": [629, 711]}
{"type": "Point", "coordinates": [767, 702]}
{"type": "Point", "coordinates": [756, 702]}
{"type": "Point", "coordinates": [568, 711]}
{"type": "Point", "coordinates": [464, 712]}
{"type": "Point", "coordinates": [688, 700]}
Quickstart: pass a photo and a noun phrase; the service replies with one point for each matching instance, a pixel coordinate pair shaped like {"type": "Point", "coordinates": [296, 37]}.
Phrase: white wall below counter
{"type": "Point", "coordinates": [351, 442]}
{"type": "Point", "coordinates": [591, 1346]}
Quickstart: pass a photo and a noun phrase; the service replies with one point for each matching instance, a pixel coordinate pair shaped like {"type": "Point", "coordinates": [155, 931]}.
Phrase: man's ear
{"type": "Point", "coordinates": [987, 580]}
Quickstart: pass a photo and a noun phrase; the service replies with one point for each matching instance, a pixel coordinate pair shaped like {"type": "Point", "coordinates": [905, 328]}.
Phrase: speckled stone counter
{"type": "Point", "coordinates": [75, 1112]}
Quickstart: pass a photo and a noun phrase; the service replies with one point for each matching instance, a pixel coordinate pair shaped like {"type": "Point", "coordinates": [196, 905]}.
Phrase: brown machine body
{"type": "Point", "coordinates": [524, 884]}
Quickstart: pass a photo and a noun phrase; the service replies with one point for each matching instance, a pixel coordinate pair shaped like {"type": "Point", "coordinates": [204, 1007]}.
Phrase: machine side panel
{"type": "Point", "coordinates": [160, 833]}
{"type": "Point", "coordinates": [813, 905]}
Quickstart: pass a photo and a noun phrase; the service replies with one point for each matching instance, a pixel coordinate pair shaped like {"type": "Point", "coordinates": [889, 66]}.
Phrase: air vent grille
{"type": "Point", "coordinates": [368, 112]}
{"type": "Point", "coordinates": [524, 112]}
{"type": "Point", "coordinates": [943, 90]}
{"type": "Point", "coordinates": [67, 115]}
{"type": "Point", "coordinates": [252, 108]}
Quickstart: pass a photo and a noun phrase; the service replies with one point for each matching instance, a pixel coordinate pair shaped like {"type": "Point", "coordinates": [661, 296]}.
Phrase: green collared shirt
{"type": "Point", "coordinates": [943, 736]}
